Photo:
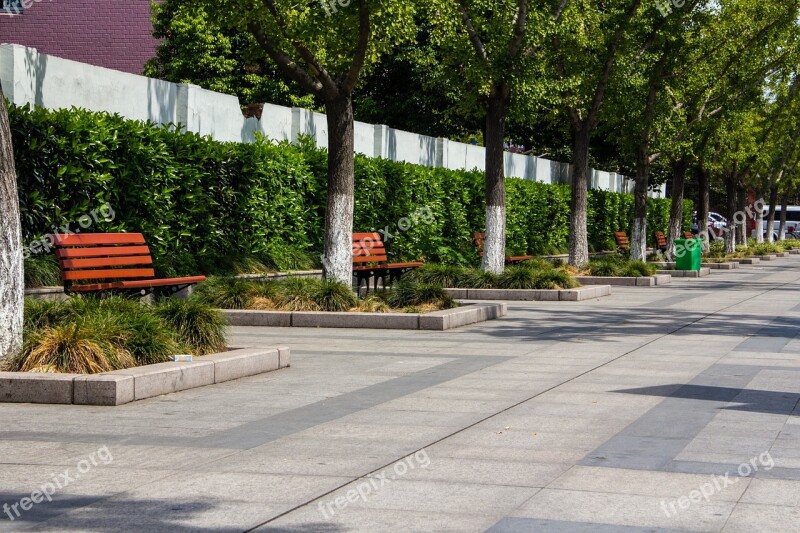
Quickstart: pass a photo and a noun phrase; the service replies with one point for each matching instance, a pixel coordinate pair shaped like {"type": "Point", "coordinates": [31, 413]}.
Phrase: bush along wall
{"type": "Point", "coordinates": [202, 204]}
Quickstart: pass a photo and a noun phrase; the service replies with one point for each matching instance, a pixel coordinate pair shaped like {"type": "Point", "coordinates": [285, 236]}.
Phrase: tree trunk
{"type": "Point", "coordinates": [784, 208]}
{"type": "Point", "coordinates": [773, 199]}
{"type": "Point", "coordinates": [730, 232]}
{"type": "Point", "coordinates": [639, 235]}
{"type": "Point", "coordinates": [760, 221]}
{"type": "Point", "coordinates": [494, 244]}
{"type": "Point", "coordinates": [703, 181]}
{"type": "Point", "coordinates": [338, 253]}
{"type": "Point", "coordinates": [741, 205]}
{"type": "Point", "coordinates": [578, 233]}
{"type": "Point", "coordinates": [676, 210]}
{"type": "Point", "coordinates": [12, 285]}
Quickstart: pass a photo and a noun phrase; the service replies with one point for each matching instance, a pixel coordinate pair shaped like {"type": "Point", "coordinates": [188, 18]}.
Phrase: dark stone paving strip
{"type": "Point", "coordinates": [773, 338]}
{"type": "Point", "coordinates": [293, 421]}
{"type": "Point", "coordinates": [673, 300]}
{"type": "Point", "coordinates": [537, 525]}
{"type": "Point", "coordinates": [287, 423]}
{"type": "Point", "coordinates": [720, 469]}
{"type": "Point", "coordinates": [656, 438]}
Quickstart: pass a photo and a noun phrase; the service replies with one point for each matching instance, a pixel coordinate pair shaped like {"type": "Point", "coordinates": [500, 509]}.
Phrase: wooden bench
{"type": "Point", "coordinates": [479, 238]}
{"type": "Point", "coordinates": [661, 241]}
{"type": "Point", "coordinates": [688, 235]}
{"type": "Point", "coordinates": [370, 261]}
{"type": "Point", "coordinates": [115, 263]}
{"type": "Point", "coordinates": [622, 240]}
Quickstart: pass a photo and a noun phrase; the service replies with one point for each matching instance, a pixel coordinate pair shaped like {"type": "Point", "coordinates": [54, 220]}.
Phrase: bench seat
{"type": "Point", "coordinates": [113, 263]}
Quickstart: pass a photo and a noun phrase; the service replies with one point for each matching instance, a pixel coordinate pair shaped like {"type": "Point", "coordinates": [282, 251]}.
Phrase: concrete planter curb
{"type": "Point", "coordinates": [768, 257]}
{"type": "Point", "coordinates": [535, 295]}
{"type": "Point", "coordinates": [732, 264]}
{"type": "Point", "coordinates": [131, 384]}
{"type": "Point", "coordinates": [46, 293]}
{"type": "Point", "coordinates": [794, 252]}
{"type": "Point", "coordinates": [703, 272]}
{"type": "Point", "coordinates": [438, 320]}
{"type": "Point", "coordinates": [749, 261]}
{"type": "Point", "coordinates": [645, 281]}
{"type": "Point", "coordinates": [721, 266]}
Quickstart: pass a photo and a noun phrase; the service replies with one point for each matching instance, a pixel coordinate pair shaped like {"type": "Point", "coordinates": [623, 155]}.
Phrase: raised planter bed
{"type": "Point", "coordinates": [703, 272]}
{"type": "Point", "coordinates": [437, 320]}
{"type": "Point", "coordinates": [131, 384]}
{"type": "Point", "coordinates": [535, 295]}
{"type": "Point", "coordinates": [647, 281]}
{"type": "Point", "coordinates": [730, 264]}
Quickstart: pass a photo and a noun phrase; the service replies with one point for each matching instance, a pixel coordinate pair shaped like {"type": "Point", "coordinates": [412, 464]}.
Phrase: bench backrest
{"type": "Point", "coordinates": [103, 256]}
{"type": "Point", "coordinates": [478, 239]}
{"type": "Point", "coordinates": [661, 240]}
{"type": "Point", "coordinates": [368, 248]}
{"type": "Point", "coordinates": [622, 240]}
{"type": "Point", "coordinates": [688, 235]}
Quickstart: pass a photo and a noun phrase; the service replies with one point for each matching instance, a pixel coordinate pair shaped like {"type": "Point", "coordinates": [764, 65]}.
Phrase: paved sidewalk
{"type": "Point", "coordinates": [633, 413]}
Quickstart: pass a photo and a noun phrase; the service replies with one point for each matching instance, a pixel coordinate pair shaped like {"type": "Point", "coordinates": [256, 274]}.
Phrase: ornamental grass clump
{"type": "Point", "coordinates": [199, 329]}
{"type": "Point", "coordinates": [410, 293]}
{"type": "Point", "coordinates": [88, 335]}
{"type": "Point", "coordinates": [618, 266]}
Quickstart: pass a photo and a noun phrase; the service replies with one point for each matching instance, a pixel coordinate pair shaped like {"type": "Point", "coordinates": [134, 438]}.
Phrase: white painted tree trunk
{"type": "Point", "coordinates": [760, 226]}
{"type": "Point", "coordinates": [337, 259]}
{"type": "Point", "coordinates": [494, 243]}
{"type": "Point", "coordinates": [12, 284]}
{"type": "Point", "coordinates": [639, 240]}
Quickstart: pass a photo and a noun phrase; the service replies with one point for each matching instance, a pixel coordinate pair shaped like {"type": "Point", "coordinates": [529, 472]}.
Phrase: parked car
{"type": "Point", "coordinates": [716, 225]}
{"type": "Point", "coordinates": [792, 221]}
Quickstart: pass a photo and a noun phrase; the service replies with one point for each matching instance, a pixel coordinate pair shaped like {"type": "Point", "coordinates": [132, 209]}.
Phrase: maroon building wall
{"type": "Point", "coordinates": [109, 33]}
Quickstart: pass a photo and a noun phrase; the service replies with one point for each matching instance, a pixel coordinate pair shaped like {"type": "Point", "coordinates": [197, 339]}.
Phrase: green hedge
{"type": "Point", "coordinates": [200, 202]}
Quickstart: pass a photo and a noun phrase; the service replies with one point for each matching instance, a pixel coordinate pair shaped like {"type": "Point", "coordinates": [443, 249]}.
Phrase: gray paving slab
{"type": "Point", "coordinates": [562, 416]}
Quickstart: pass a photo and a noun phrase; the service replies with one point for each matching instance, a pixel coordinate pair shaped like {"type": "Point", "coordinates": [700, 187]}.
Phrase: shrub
{"type": "Point", "coordinates": [86, 346]}
{"type": "Point", "coordinates": [198, 328]}
{"type": "Point", "coordinates": [408, 293]}
{"type": "Point", "coordinates": [89, 335]}
{"type": "Point", "coordinates": [333, 296]}
{"type": "Point", "coordinates": [437, 274]}
{"type": "Point", "coordinates": [475, 278]}
{"type": "Point", "coordinates": [519, 277]}
{"type": "Point", "coordinates": [636, 269]}
{"type": "Point", "coordinates": [211, 207]}
{"type": "Point", "coordinates": [225, 293]}
{"type": "Point", "coordinates": [42, 271]}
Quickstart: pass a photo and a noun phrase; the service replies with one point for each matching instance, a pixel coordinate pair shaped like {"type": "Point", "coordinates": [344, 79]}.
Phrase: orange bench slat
{"type": "Point", "coordinates": [102, 251]}
{"type": "Point", "coordinates": [93, 239]}
{"type": "Point", "coordinates": [159, 282]}
{"type": "Point", "coordinates": [114, 273]}
{"type": "Point", "coordinates": [136, 260]}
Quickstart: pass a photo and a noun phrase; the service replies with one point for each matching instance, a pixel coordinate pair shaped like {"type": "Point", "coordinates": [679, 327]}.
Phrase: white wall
{"type": "Point", "coordinates": [29, 77]}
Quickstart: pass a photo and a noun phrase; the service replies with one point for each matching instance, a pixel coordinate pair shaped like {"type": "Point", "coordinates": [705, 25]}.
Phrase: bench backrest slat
{"type": "Point", "coordinates": [688, 235]}
{"type": "Point", "coordinates": [114, 273]}
{"type": "Point", "coordinates": [103, 256]}
{"type": "Point", "coordinates": [478, 239]}
{"type": "Point", "coordinates": [622, 240]}
{"type": "Point", "coordinates": [661, 240]}
{"type": "Point", "coordinates": [369, 248]}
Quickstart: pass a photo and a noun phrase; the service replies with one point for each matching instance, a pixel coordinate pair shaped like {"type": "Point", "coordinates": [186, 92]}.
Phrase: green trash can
{"type": "Point", "coordinates": [688, 254]}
